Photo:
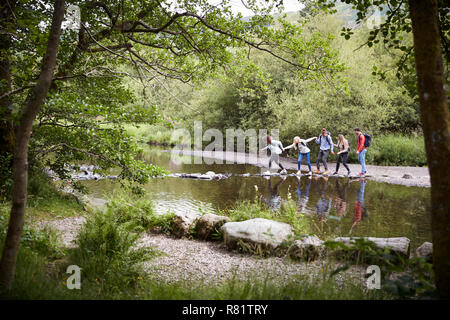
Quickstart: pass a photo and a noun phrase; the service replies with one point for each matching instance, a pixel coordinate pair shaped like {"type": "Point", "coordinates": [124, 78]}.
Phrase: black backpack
{"type": "Point", "coordinates": [367, 140]}
{"type": "Point", "coordinates": [328, 139]}
{"type": "Point", "coordinates": [349, 147]}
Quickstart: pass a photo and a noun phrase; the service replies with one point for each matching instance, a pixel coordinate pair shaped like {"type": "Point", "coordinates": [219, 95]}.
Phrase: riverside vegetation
{"type": "Point", "coordinates": [112, 265]}
{"type": "Point", "coordinates": [272, 97]}
{"type": "Point", "coordinates": [258, 93]}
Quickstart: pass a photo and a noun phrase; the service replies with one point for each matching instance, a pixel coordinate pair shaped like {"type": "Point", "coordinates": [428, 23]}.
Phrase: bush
{"type": "Point", "coordinates": [399, 151]}
{"type": "Point", "coordinates": [129, 207]}
{"type": "Point", "coordinates": [107, 251]}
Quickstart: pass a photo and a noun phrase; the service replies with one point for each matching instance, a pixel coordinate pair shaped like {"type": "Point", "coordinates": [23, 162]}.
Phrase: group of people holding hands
{"type": "Point", "coordinates": [326, 147]}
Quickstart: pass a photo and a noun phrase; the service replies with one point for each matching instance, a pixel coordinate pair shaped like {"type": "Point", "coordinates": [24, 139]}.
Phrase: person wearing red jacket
{"type": "Point", "coordinates": [361, 150]}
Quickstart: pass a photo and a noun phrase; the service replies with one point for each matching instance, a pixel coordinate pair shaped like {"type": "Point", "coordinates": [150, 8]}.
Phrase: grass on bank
{"type": "Point", "coordinates": [288, 213]}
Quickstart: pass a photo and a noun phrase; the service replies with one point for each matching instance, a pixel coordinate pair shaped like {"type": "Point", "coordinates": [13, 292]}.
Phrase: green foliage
{"type": "Point", "coordinates": [401, 277]}
{"type": "Point", "coordinates": [398, 151]}
{"type": "Point", "coordinates": [5, 175]}
{"type": "Point", "coordinates": [417, 282]}
{"type": "Point", "coordinates": [88, 127]}
{"type": "Point", "coordinates": [90, 99]}
{"type": "Point", "coordinates": [106, 251]}
{"type": "Point", "coordinates": [43, 241]}
{"type": "Point", "coordinates": [393, 31]}
{"type": "Point", "coordinates": [45, 198]}
{"type": "Point", "coordinates": [128, 207]}
{"type": "Point", "coordinates": [288, 213]}
{"type": "Point", "coordinates": [391, 150]}
{"type": "Point", "coordinates": [266, 93]}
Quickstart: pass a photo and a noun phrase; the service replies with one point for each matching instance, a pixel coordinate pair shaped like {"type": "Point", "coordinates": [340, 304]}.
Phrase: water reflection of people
{"type": "Point", "coordinates": [274, 199]}
{"type": "Point", "coordinates": [360, 207]}
{"type": "Point", "coordinates": [340, 204]}
{"type": "Point", "coordinates": [303, 198]}
{"type": "Point", "coordinates": [324, 203]}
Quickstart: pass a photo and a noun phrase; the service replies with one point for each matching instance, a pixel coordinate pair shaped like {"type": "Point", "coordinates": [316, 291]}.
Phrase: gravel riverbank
{"type": "Point", "coordinates": [203, 261]}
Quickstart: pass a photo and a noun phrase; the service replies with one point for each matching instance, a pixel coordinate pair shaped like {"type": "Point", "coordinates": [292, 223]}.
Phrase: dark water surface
{"type": "Point", "coordinates": [337, 206]}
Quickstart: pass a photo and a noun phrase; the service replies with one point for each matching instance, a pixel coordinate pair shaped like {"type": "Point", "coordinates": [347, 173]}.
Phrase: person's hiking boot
{"type": "Point", "coordinates": [298, 173]}
{"type": "Point", "coordinates": [335, 173]}
{"type": "Point", "coordinates": [283, 171]}
{"type": "Point", "coordinates": [310, 173]}
{"type": "Point", "coordinates": [267, 173]}
{"type": "Point", "coordinates": [348, 173]}
{"type": "Point", "coordinates": [325, 172]}
{"type": "Point", "coordinates": [317, 171]}
{"type": "Point", "coordinates": [361, 174]}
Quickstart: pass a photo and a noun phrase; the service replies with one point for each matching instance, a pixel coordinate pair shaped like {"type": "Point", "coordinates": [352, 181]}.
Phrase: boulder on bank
{"type": "Point", "coordinates": [258, 235]}
{"type": "Point", "coordinates": [309, 248]}
{"type": "Point", "coordinates": [425, 251]}
{"type": "Point", "coordinates": [182, 223]}
{"type": "Point", "coordinates": [208, 224]}
{"type": "Point", "coordinates": [398, 245]}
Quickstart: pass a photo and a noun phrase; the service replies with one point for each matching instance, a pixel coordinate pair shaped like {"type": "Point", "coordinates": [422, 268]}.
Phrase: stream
{"type": "Point", "coordinates": [336, 206]}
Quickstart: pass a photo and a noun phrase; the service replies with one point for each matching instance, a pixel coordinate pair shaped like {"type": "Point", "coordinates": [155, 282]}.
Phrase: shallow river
{"type": "Point", "coordinates": [337, 206]}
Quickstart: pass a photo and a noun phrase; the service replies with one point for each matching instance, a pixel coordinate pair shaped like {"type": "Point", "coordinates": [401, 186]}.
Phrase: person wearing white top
{"type": "Point", "coordinates": [276, 148]}
{"type": "Point", "coordinates": [304, 151]}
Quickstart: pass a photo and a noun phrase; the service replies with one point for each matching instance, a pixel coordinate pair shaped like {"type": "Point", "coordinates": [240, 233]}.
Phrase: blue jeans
{"type": "Point", "coordinates": [362, 160]}
{"type": "Point", "coordinates": [300, 157]}
{"type": "Point", "coordinates": [361, 192]}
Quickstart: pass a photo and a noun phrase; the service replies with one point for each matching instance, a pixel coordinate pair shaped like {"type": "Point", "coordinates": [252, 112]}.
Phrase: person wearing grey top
{"type": "Point", "coordinates": [276, 148]}
{"type": "Point", "coordinates": [304, 151]}
{"type": "Point", "coordinates": [326, 145]}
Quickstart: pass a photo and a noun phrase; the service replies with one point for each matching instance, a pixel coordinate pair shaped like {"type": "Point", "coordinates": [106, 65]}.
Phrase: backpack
{"type": "Point", "coordinates": [349, 147]}
{"type": "Point", "coordinates": [367, 140]}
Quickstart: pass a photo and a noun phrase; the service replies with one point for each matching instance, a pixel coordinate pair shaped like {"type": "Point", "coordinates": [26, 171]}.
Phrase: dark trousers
{"type": "Point", "coordinates": [275, 159]}
{"type": "Point", "coordinates": [322, 157]}
{"type": "Point", "coordinates": [343, 157]}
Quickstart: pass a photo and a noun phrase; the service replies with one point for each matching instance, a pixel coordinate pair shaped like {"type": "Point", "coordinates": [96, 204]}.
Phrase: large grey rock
{"type": "Point", "coordinates": [208, 224]}
{"type": "Point", "coordinates": [425, 251]}
{"type": "Point", "coordinates": [398, 245]}
{"type": "Point", "coordinates": [182, 223]}
{"type": "Point", "coordinates": [256, 234]}
{"type": "Point", "coordinates": [309, 248]}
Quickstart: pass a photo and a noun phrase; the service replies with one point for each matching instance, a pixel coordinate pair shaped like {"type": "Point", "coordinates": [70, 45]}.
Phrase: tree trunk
{"type": "Point", "coordinates": [6, 124]}
{"type": "Point", "coordinates": [20, 162]}
{"type": "Point", "coordinates": [435, 121]}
